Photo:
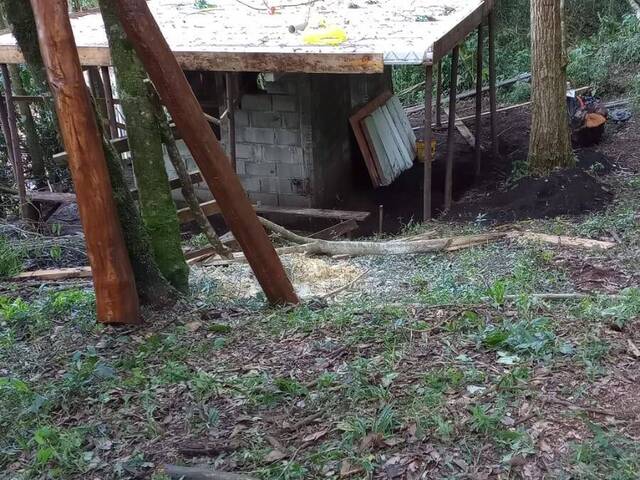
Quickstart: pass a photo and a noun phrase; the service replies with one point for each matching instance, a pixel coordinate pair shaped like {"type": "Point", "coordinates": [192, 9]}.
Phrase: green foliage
{"type": "Point", "coordinates": [10, 259]}
{"type": "Point", "coordinates": [59, 451]}
{"type": "Point", "coordinates": [528, 337]}
{"type": "Point", "coordinates": [607, 455]}
{"type": "Point", "coordinates": [609, 58]}
{"type": "Point", "coordinates": [356, 428]}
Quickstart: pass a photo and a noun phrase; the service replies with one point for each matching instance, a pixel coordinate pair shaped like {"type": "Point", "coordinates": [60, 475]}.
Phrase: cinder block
{"type": "Point", "coordinates": [269, 185]}
{"type": "Point", "coordinates": [259, 103]}
{"type": "Point", "coordinates": [295, 186]}
{"type": "Point", "coordinates": [287, 137]}
{"type": "Point", "coordinates": [285, 103]}
{"type": "Point", "coordinates": [263, 198]}
{"type": "Point", "coordinates": [260, 169]}
{"type": "Point", "coordinates": [256, 135]}
{"type": "Point", "coordinates": [291, 120]}
{"type": "Point", "coordinates": [249, 151]}
{"type": "Point", "coordinates": [282, 154]}
{"type": "Point", "coordinates": [250, 184]}
{"type": "Point", "coordinates": [240, 166]}
{"type": "Point", "coordinates": [298, 201]}
{"type": "Point", "coordinates": [241, 118]}
{"type": "Point", "coordinates": [266, 119]}
{"type": "Point", "coordinates": [291, 170]}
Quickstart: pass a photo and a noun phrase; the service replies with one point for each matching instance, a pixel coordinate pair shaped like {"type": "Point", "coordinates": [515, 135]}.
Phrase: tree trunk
{"type": "Point", "coordinates": [145, 142]}
{"type": "Point", "coordinates": [153, 288]}
{"type": "Point", "coordinates": [188, 191]}
{"type": "Point", "coordinates": [550, 142]}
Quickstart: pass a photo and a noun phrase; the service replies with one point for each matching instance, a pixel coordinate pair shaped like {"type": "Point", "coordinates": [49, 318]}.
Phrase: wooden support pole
{"type": "Point", "coordinates": [426, 191]}
{"type": "Point", "coordinates": [493, 105]}
{"type": "Point", "coordinates": [176, 94]}
{"type": "Point", "coordinates": [108, 97]}
{"type": "Point", "coordinates": [479, 63]}
{"type": "Point", "coordinates": [97, 90]}
{"type": "Point", "coordinates": [439, 96]}
{"type": "Point", "coordinates": [448, 182]}
{"type": "Point", "coordinates": [27, 212]}
{"type": "Point", "coordinates": [231, 121]}
{"type": "Point", "coordinates": [113, 280]}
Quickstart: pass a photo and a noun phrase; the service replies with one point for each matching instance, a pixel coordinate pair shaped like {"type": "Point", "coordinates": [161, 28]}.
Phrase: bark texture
{"type": "Point", "coordinates": [180, 167]}
{"type": "Point", "coordinates": [145, 141]}
{"type": "Point", "coordinates": [550, 142]}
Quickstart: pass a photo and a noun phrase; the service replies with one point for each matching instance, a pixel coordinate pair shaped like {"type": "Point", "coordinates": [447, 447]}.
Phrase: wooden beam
{"type": "Point", "coordinates": [54, 274]}
{"type": "Point", "coordinates": [230, 96]}
{"type": "Point", "coordinates": [170, 82]}
{"type": "Point", "coordinates": [212, 208]}
{"type": "Point", "coordinates": [439, 96]}
{"type": "Point", "coordinates": [478, 118]}
{"type": "Point", "coordinates": [458, 34]}
{"type": "Point", "coordinates": [493, 102]}
{"type": "Point", "coordinates": [448, 182]}
{"type": "Point", "coordinates": [113, 280]}
{"type": "Point", "coordinates": [238, 61]}
{"type": "Point", "coordinates": [336, 231]}
{"type": "Point", "coordinates": [427, 173]}
{"type": "Point", "coordinates": [109, 100]}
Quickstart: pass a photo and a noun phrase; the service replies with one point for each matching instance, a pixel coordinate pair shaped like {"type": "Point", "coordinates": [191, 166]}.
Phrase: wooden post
{"type": "Point", "coordinates": [231, 121]}
{"type": "Point", "coordinates": [428, 94]}
{"type": "Point", "coordinates": [493, 104]}
{"type": "Point", "coordinates": [114, 284]}
{"type": "Point", "coordinates": [108, 98]}
{"type": "Point", "coordinates": [216, 169]}
{"type": "Point", "coordinates": [448, 182]}
{"type": "Point", "coordinates": [439, 96]}
{"type": "Point", "coordinates": [27, 212]}
{"type": "Point", "coordinates": [478, 147]}
{"type": "Point", "coordinates": [97, 90]}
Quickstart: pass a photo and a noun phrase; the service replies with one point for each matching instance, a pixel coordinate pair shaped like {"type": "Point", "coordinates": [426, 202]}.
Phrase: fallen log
{"type": "Point", "coordinates": [177, 472]}
{"type": "Point", "coordinates": [561, 240]}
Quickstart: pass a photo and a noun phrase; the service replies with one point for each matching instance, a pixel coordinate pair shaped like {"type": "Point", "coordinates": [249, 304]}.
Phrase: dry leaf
{"type": "Point", "coordinates": [346, 469]}
{"type": "Point", "coordinates": [275, 455]}
{"type": "Point", "coordinates": [315, 436]}
{"type": "Point", "coordinates": [372, 440]}
{"type": "Point", "coordinates": [193, 326]}
{"type": "Point", "coordinates": [633, 349]}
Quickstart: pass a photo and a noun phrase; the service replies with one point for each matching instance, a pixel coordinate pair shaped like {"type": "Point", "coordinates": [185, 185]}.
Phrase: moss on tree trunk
{"type": "Point", "coordinates": [145, 142]}
{"type": "Point", "coordinates": [550, 141]}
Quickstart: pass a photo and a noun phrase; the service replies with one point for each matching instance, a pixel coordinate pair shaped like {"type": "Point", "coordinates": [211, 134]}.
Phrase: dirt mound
{"type": "Point", "coordinates": [566, 192]}
{"type": "Point", "coordinates": [593, 161]}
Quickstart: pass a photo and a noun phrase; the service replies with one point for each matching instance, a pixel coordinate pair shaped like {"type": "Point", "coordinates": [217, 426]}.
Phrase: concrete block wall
{"type": "Point", "coordinates": [270, 157]}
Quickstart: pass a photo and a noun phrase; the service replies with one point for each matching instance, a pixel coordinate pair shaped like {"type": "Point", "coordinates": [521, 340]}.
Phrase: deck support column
{"type": "Point", "coordinates": [492, 85]}
{"type": "Point", "coordinates": [216, 169]}
{"type": "Point", "coordinates": [108, 98]}
{"type": "Point", "coordinates": [113, 280]}
{"type": "Point", "coordinates": [230, 100]}
{"type": "Point", "coordinates": [478, 132]}
{"type": "Point", "coordinates": [439, 96]}
{"type": "Point", "coordinates": [428, 94]}
{"type": "Point", "coordinates": [27, 211]}
{"type": "Point", "coordinates": [448, 182]}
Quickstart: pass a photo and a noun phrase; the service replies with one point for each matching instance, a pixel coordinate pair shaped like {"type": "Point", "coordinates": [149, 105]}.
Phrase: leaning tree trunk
{"type": "Point", "coordinates": [550, 141]}
{"type": "Point", "coordinates": [145, 142]}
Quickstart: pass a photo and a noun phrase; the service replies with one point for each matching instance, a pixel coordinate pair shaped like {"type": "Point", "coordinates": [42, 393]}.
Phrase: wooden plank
{"type": "Point", "coordinates": [54, 274]}
{"type": "Point", "coordinates": [61, 197]}
{"type": "Point", "coordinates": [356, 124]}
{"type": "Point", "coordinates": [238, 61]}
{"type": "Point", "coordinates": [466, 133]}
{"type": "Point", "coordinates": [398, 111]}
{"type": "Point", "coordinates": [211, 208]}
{"type": "Point", "coordinates": [377, 151]}
{"type": "Point", "coordinates": [406, 155]}
{"type": "Point", "coordinates": [427, 172]}
{"type": "Point", "coordinates": [448, 183]}
{"type": "Point", "coordinates": [336, 230]}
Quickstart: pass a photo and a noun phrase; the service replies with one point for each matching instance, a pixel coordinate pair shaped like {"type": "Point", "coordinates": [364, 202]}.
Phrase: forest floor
{"type": "Point", "coordinates": [439, 366]}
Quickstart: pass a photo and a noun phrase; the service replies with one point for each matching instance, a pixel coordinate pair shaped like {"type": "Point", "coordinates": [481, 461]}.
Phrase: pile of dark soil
{"type": "Point", "coordinates": [565, 192]}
